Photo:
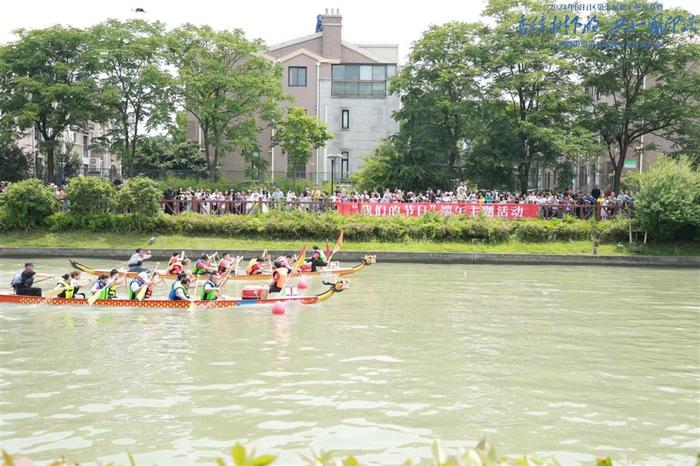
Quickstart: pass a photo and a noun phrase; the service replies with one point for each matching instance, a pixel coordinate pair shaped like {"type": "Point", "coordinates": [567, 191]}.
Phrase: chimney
{"type": "Point", "coordinates": [332, 34]}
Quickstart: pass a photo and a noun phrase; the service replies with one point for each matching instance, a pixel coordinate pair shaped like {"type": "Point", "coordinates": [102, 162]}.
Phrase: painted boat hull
{"type": "Point", "coordinates": [167, 304]}
{"type": "Point", "coordinates": [340, 272]}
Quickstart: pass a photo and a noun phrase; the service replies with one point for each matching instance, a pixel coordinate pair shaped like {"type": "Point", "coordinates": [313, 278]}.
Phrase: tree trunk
{"type": "Point", "coordinates": [524, 177]}
{"type": "Point", "coordinates": [617, 178]}
{"type": "Point", "coordinates": [50, 176]}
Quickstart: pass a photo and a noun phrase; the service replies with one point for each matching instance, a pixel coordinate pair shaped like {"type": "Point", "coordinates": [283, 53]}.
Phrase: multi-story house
{"type": "Point", "coordinates": [344, 85]}
{"type": "Point", "coordinates": [75, 143]}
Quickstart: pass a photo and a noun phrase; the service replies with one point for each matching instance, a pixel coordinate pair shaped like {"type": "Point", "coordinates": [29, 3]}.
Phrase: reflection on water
{"type": "Point", "coordinates": [574, 362]}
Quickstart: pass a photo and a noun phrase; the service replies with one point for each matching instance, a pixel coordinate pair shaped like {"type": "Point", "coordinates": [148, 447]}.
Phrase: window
{"type": "Point", "coordinates": [361, 80]}
{"type": "Point", "coordinates": [86, 151]}
{"type": "Point", "coordinates": [297, 76]}
{"type": "Point", "coordinates": [345, 119]}
{"type": "Point", "coordinates": [344, 165]}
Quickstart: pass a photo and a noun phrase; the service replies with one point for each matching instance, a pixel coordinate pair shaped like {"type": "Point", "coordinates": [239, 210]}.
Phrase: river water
{"type": "Point", "coordinates": [572, 362]}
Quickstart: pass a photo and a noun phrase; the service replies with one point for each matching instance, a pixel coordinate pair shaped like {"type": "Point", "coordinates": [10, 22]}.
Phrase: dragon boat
{"type": "Point", "coordinates": [256, 296]}
{"type": "Point", "coordinates": [339, 272]}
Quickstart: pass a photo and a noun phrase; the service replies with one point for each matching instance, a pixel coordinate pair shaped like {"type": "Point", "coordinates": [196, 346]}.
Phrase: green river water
{"type": "Point", "coordinates": [572, 362]}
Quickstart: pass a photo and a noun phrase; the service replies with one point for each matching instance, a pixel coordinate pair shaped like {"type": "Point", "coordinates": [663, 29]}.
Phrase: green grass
{"type": "Point", "coordinates": [178, 242]}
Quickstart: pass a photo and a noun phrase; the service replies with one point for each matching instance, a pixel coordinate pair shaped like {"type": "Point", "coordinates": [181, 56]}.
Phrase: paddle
{"type": "Point", "coordinates": [53, 293]}
{"type": "Point", "coordinates": [144, 288]}
{"type": "Point", "coordinates": [193, 304]}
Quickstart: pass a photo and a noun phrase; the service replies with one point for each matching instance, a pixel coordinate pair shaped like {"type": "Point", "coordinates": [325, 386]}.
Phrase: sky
{"type": "Point", "coordinates": [274, 21]}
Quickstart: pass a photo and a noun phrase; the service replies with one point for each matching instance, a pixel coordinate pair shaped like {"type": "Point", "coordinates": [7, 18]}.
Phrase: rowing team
{"type": "Point", "coordinates": [140, 287]}
{"type": "Point", "coordinates": [206, 264]}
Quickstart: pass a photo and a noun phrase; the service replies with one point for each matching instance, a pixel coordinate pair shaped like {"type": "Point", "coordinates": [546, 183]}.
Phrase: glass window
{"type": "Point", "coordinates": [379, 88]}
{"type": "Point", "coordinates": [339, 72]}
{"type": "Point", "coordinates": [297, 76]}
{"type": "Point", "coordinates": [378, 73]}
{"type": "Point", "coordinates": [365, 89]}
{"type": "Point", "coordinates": [390, 71]}
{"type": "Point", "coordinates": [338, 88]}
{"type": "Point", "coordinates": [352, 72]}
{"type": "Point", "coordinates": [345, 119]}
{"type": "Point", "coordinates": [366, 72]}
{"type": "Point", "coordinates": [351, 88]}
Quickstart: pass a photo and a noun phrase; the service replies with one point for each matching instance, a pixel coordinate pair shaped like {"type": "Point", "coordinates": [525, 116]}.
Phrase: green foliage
{"type": "Point", "coordinates": [27, 204]}
{"type": "Point", "coordinates": [282, 225]}
{"type": "Point", "coordinates": [299, 133]}
{"type": "Point", "coordinates": [227, 86]}
{"type": "Point", "coordinates": [163, 155]}
{"type": "Point", "coordinates": [668, 200]}
{"type": "Point", "coordinates": [136, 90]}
{"type": "Point", "coordinates": [625, 73]}
{"type": "Point", "coordinates": [90, 195]}
{"type": "Point", "coordinates": [13, 162]}
{"type": "Point", "coordinates": [48, 82]}
{"type": "Point", "coordinates": [139, 196]}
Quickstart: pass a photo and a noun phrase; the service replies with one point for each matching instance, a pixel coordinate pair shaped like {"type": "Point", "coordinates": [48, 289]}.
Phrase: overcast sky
{"type": "Point", "coordinates": [364, 21]}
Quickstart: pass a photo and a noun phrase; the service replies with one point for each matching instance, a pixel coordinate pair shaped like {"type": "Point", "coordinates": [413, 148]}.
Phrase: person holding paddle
{"type": "Point", "coordinates": [65, 287]}
{"type": "Point", "coordinates": [279, 277]}
{"type": "Point", "coordinates": [177, 263]}
{"type": "Point", "coordinates": [180, 289]}
{"type": "Point", "coordinates": [105, 287]}
{"type": "Point", "coordinates": [139, 283]}
{"type": "Point", "coordinates": [23, 281]}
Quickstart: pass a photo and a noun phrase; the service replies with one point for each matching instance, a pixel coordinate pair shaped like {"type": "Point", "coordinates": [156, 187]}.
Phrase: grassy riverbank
{"type": "Point", "coordinates": [177, 242]}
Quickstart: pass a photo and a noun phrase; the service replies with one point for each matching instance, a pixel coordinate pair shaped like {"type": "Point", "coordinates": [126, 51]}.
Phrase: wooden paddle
{"type": "Point", "coordinates": [193, 304]}
{"type": "Point", "coordinates": [53, 293]}
{"type": "Point", "coordinates": [144, 288]}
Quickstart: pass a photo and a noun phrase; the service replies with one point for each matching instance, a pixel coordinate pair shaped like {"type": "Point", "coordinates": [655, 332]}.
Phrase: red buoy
{"type": "Point", "coordinates": [303, 283]}
{"type": "Point", "coordinates": [278, 308]}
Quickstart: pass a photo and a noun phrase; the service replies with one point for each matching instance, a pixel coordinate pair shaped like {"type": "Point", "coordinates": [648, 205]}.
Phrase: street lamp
{"type": "Point", "coordinates": [333, 158]}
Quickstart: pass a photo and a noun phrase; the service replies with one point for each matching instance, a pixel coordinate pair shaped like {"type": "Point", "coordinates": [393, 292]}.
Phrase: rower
{"type": "Point", "coordinates": [137, 259]}
{"type": "Point", "coordinates": [225, 263]}
{"type": "Point", "coordinates": [279, 277]}
{"type": "Point", "coordinates": [137, 284]}
{"type": "Point", "coordinates": [105, 285]}
{"type": "Point", "coordinates": [77, 283]}
{"type": "Point", "coordinates": [179, 290]}
{"type": "Point", "coordinates": [254, 267]}
{"type": "Point", "coordinates": [210, 290]}
{"type": "Point", "coordinates": [175, 265]}
{"type": "Point", "coordinates": [318, 259]}
{"type": "Point", "coordinates": [202, 266]}
{"type": "Point", "coordinates": [24, 279]}
{"type": "Point", "coordinates": [67, 286]}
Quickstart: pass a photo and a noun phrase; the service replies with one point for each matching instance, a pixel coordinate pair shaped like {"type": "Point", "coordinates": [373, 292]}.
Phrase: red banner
{"type": "Point", "coordinates": [416, 209]}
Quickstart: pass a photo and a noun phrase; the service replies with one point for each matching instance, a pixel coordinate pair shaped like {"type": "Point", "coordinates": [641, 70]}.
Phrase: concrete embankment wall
{"type": "Point", "coordinates": [383, 257]}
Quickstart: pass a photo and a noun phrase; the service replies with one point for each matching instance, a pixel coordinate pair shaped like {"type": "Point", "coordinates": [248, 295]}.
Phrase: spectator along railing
{"type": "Point", "coordinates": [498, 210]}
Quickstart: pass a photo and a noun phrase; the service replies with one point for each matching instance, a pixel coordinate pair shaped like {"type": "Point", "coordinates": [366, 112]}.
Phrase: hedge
{"type": "Point", "coordinates": [302, 225]}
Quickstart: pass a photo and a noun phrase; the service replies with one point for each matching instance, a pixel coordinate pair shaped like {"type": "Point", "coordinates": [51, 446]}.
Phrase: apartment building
{"type": "Point", "coordinates": [344, 85]}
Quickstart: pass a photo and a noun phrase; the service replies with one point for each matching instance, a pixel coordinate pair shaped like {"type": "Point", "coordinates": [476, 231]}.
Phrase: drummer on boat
{"type": "Point", "coordinates": [137, 284]}
{"type": "Point", "coordinates": [136, 260]}
{"type": "Point", "coordinates": [180, 289]}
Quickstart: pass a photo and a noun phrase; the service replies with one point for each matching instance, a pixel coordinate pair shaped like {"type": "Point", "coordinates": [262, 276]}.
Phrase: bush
{"type": "Point", "coordinates": [140, 196]}
{"type": "Point", "coordinates": [89, 195]}
{"type": "Point", "coordinates": [668, 200]}
{"type": "Point", "coordinates": [27, 204]}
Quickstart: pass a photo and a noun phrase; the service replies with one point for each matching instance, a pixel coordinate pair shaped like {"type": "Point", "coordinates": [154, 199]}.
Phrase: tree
{"type": "Point", "coordinates": [163, 154]}
{"type": "Point", "coordinates": [439, 90]}
{"type": "Point", "coordinates": [13, 162]}
{"type": "Point", "coordinates": [534, 75]}
{"type": "Point", "coordinates": [136, 88]}
{"type": "Point", "coordinates": [227, 86]}
{"type": "Point", "coordinates": [298, 134]}
{"type": "Point", "coordinates": [647, 83]}
{"type": "Point", "coordinates": [48, 81]}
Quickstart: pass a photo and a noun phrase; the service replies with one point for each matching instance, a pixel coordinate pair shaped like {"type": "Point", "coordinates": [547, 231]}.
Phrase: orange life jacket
{"type": "Point", "coordinates": [280, 277]}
